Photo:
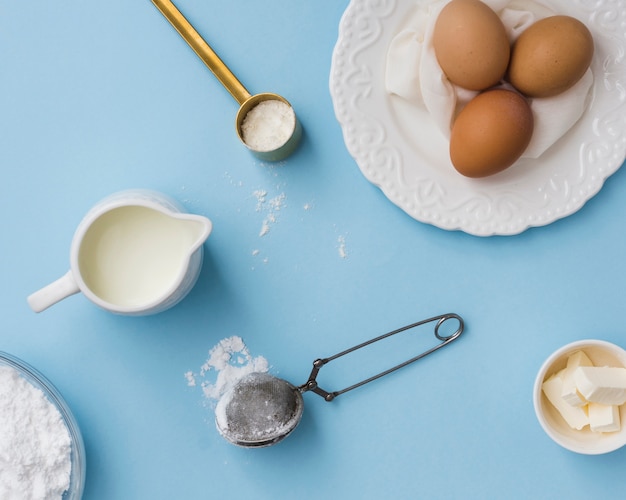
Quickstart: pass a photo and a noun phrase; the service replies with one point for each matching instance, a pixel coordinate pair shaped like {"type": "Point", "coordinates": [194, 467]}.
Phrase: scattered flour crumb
{"type": "Point", "coordinates": [232, 181]}
{"type": "Point", "coordinates": [342, 247]}
{"type": "Point", "coordinates": [191, 380]}
{"type": "Point", "coordinates": [277, 202]}
{"type": "Point", "coordinates": [260, 195]}
{"type": "Point", "coordinates": [265, 228]}
{"type": "Point", "coordinates": [269, 206]}
{"type": "Point", "coordinates": [256, 253]}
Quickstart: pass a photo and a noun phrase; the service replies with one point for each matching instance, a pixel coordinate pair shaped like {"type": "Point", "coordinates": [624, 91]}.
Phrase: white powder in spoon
{"type": "Point", "coordinates": [268, 125]}
{"type": "Point", "coordinates": [35, 445]}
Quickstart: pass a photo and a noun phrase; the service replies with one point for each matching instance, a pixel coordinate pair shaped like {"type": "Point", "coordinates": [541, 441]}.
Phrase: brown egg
{"type": "Point", "coordinates": [490, 133]}
{"type": "Point", "coordinates": [471, 44]}
{"type": "Point", "coordinates": [550, 56]}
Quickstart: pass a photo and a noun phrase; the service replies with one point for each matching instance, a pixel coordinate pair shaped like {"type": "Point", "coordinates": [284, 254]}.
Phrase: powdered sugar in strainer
{"type": "Point", "coordinates": [261, 409]}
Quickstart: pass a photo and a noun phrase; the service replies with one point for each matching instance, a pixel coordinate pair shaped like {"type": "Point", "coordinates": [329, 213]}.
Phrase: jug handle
{"type": "Point", "coordinates": [54, 292]}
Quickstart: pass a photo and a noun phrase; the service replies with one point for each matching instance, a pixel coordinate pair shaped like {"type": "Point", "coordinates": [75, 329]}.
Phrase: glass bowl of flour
{"type": "Point", "coordinates": [42, 454]}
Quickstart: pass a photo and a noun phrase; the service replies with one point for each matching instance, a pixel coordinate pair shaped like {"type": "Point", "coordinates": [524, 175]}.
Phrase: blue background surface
{"type": "Point", "coordinates": [97, 97]}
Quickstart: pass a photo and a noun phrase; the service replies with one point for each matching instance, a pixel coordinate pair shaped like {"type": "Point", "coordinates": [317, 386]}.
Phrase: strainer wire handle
{"type": "Point", "coordinates": [311, 384]}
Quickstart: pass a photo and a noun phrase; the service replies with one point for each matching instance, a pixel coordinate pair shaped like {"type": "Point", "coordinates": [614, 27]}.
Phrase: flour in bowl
{"type": "Point", "coordinates": [35, 445]}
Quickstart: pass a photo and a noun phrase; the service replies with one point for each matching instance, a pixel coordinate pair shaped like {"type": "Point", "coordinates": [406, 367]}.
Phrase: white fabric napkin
{"type": "Point", "coordinates": [413, 73]}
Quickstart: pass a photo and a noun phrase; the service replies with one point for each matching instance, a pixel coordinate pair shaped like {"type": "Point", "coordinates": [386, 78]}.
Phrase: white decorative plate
{"type": "Point", "coordinates": [400, 151]}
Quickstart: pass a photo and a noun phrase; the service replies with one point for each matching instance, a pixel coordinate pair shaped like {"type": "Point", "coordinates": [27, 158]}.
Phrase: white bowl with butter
{"type": "Point", "coordinates": [580, 440]}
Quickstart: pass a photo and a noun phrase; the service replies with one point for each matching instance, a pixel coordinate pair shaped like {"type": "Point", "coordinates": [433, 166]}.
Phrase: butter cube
{"type": "Point", "coordinates": [575, 416]}
{"type": "Point", "coordinates": [603, 418]}
{"type": "Point", "coordinates": [601, 384]}
{"type": "Point", "coordinates": [570, 393]}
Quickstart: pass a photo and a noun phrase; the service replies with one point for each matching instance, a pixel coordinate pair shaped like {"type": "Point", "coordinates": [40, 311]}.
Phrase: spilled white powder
{"type": "Point", "coordinates": [277, 202]}
{"type": "Point", "coordinates": [270, 207]}
{"type": "Point", "coordinates": [232, 181]}
{"type": "Point", "coordinates": [191, 379]}
{"type": "Point", "coordinates": [261, 196]}
{"type": "Point", "coordinates": [35, 445]}
{"type": "Point", "coordinates": [341, 245]}
{"type": "Point", "coordinates": [268, 125]}
{"type": "Point", "coordinates": [228, 361]}
{"type": "Point", "coordinates": [256, 253]}
{"type": "Point", "coordinates": [265, 227]}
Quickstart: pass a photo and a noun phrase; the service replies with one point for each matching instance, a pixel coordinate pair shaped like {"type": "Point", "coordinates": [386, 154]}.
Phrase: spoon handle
{"type": "Point", "coordinates": [203, 50]}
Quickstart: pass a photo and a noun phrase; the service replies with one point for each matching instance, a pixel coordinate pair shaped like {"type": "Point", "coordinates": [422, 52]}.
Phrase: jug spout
{"type": "Point", "coordinates": [198, 227]}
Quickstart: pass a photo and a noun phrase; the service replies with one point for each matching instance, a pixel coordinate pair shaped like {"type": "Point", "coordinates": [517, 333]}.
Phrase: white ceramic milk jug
{"type": "Point", "coordinates": [134, 253]}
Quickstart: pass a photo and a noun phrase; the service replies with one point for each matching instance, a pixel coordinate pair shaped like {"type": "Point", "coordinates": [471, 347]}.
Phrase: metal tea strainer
{"type": "Point", "coordinates": [261, 409]}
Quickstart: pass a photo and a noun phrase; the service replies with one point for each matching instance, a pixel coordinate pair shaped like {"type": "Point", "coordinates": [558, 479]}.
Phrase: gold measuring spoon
{"type": "Point", "coordinates": [266, 123]}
